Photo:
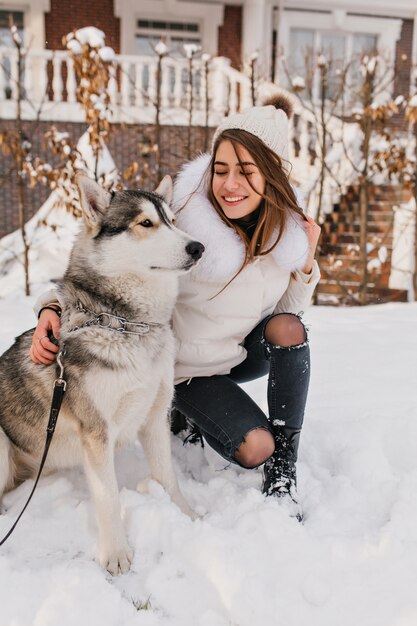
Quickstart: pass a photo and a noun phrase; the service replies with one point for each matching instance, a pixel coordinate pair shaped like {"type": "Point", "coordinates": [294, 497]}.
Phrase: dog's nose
{"type": "Point", "coordinates": [195, 249]}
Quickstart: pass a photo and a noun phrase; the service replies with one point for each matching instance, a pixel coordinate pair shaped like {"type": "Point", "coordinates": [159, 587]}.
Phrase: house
{"type": "Point", "coordinates": [267, 40]}
{"type": "Point", "coordinates": [234, 30]}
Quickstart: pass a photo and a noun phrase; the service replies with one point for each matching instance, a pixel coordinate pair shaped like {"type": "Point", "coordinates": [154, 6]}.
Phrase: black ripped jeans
{"type": "Point", "coordinates": [224, 413]}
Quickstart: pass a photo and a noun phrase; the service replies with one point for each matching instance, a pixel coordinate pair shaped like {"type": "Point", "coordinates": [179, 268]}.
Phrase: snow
{"type": "Point", "coordinates": [48, 253]}
{"type": "Point", "coordinates": [15, 34]}
{"type": "Point", "coordinates": [161, 48]}
{"type": "Point", "coordinates": [74, 46]}
{"type": "Point", "coordinates": [371, 65]}
{"type": "Point", "coordinates": [298, 82]}
{"type": "Point", "coordinates": [374, 265]}
{"type": "Point", "coordinates": [245, 562]}
{"type": "Point", "coordinates": [105, 168]}
{"type": "Point", "coordinates": [413, 101]}
{"type": "Point", "coordinates": [90, 35]}
{"type": "Point", "coordinates": [93, 37]}
{"type": "Point", "coordinates": [191, 49]}
{"type": "Point", "coordinates": [383, 254]}
{"type": "Point", "coordinates": [107, 54]}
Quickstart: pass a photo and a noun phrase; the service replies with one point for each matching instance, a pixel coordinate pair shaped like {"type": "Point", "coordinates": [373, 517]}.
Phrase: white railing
{"type": "Point", "coordinates": [49, 88]}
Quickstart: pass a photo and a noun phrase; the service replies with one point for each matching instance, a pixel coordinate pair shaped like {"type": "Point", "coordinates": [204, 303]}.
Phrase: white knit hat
{"type": "Point", "coordinates": [268, 122]}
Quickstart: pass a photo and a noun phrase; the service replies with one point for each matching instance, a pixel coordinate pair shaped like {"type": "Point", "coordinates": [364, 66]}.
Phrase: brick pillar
{"type": "Point", "coordinates": [403, 59]}
{"type": "Point", "coordinates": [230, 35]}
{"type": "Point", "coordinates": [64, 17]}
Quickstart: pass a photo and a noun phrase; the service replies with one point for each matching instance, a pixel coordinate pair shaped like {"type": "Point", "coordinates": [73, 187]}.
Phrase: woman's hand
{"type": "Point", "coordinates": [42, 349]}
{"type": "Point", "coordinates": [313, 231]}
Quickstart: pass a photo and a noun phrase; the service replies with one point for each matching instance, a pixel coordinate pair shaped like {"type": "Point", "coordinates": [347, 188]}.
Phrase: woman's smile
{"type": "Point", "coordinates": [234, 199]}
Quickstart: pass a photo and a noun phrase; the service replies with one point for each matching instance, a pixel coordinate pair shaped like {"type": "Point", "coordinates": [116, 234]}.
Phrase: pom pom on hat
{"type": "Point", "coordinates": [279, 101]}
{"type": "Point", "coordinates": [268, 122]}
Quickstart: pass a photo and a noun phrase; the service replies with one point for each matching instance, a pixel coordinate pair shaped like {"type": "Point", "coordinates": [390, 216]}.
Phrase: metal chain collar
{"type": "Point", "coordinates": [113, 322]}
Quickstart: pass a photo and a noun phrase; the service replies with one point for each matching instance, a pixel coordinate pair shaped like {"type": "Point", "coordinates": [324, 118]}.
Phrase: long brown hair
{"type": "Point", "coordinates": [277, 200]}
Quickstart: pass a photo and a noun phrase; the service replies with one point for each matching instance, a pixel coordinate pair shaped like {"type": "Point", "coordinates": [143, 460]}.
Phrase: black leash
{"type": "Point", "coordinates": [60, 386]}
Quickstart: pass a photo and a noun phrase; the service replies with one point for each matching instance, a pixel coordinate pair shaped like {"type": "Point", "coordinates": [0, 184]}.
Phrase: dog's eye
{"type": "Point", "coordinates": [146, 223]}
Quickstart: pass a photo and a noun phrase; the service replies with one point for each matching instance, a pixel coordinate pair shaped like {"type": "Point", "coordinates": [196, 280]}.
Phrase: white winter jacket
{"type": "Point", "coordinates": [210, 327]}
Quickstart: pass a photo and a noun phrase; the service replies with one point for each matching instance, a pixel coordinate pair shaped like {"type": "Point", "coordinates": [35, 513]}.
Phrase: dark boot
{"type": "Point", "coordinates": [179, 424]}
{"type": "Point", "coordinates": [178, 421]}
{"type": "Point", "coordinates": [280, 478]}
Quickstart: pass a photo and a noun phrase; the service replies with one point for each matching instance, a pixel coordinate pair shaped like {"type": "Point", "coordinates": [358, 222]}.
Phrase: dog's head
{"type": "Point", "coordinates": [134, 231]}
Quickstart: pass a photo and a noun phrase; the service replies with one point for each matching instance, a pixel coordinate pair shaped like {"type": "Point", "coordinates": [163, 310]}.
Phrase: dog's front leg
{"type": "Point", "coordinates": [155, 438]}
{"type": "Point", "coordinates": [114, 553]}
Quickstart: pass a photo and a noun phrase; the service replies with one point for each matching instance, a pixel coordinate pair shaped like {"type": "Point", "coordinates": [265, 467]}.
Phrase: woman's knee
{"type": "Point", "coordinates": [285, 330]}
{"type": "Point", "coordinates": [258, 446]}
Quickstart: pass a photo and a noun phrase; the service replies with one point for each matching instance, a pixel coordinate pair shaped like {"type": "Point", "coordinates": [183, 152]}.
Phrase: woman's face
{"type": "Point", "coordinates": [230, 185]}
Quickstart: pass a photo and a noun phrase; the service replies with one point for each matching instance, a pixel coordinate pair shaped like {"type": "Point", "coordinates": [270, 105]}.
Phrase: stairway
{"type": "Point", "coordinates": [339, 254]}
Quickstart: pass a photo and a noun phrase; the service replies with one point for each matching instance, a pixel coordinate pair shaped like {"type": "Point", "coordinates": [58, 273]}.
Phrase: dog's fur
{"type": "Point", "coordinates": [125, 262]}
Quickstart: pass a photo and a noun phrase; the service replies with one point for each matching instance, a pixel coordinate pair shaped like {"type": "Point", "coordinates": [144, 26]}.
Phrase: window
{"type": "Point", "coordinates": [6, 41]}
{"type": "Point", "coordinates": [173, 34]}
{"type": "Point", "coordinates": [338, 48]}
{"type": "Point", "coordinates": [17, 16]}
{"type": "Point", "coordinates": [341, 36]}
{"type": "Point", "coordinates": [150, 20]}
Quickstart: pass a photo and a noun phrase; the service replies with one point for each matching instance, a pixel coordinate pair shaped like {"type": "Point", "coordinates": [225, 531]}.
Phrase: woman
{"type": "Point", "coordinates": [238, 313]}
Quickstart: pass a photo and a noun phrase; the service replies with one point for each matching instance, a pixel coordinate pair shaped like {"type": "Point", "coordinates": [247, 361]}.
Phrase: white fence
{"type": "Point", "coordinates": [49, 88]}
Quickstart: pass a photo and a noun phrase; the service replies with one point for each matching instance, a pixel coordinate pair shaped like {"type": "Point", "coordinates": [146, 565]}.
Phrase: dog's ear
{"type": "Point", "coordinates": [94, 201]}
{"type": "Point", "coordinates": [164, 189]}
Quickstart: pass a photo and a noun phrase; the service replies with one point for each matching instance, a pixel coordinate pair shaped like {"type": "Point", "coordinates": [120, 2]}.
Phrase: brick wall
{"type": "Point", "coordinates": [403, 59]}
{"type": "Point", "coordinates": [125, 146]}
{"type": "Point", "coordinates": [35, 197]}
{"type": "Point", "coordinates": [64, 17]}
{"type": "Point", "coordinates": [230, 35]}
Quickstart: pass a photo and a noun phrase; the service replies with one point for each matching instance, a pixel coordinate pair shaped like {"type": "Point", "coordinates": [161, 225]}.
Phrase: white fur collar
{"type": "Point", "coordinates": [225, 252]}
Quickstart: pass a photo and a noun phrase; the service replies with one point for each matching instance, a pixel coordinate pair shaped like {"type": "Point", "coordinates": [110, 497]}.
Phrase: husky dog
{"type": "Point", "coordinates": [117, 295]}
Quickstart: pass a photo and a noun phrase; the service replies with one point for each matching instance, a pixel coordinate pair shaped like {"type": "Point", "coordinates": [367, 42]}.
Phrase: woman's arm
{"type": "Point", "coordinates": [303, 282]}
{"type": "Point", "coordinates": [43, 350]}
{"type": "Point", "coordinates": [299, 291]}
{"type": "Point", "coordinates": [313, 232]}
{"type": "Point", "coordinates": [47, 298]}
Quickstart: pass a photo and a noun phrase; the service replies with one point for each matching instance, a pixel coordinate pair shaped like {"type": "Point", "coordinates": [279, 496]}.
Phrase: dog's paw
{"type": "Point", "coordinates": [192, 514]}
{"type": "Point", "coordinates": [117, 561]}
{"type": "Point", "coordinates": [182, 504]}
{"type": "Point", "coordinates": [143, 485]}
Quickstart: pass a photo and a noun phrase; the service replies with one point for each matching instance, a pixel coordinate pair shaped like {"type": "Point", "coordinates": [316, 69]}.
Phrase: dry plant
{"type": "Point", "coordinates": [14, 143]}
{"type": "Point", "coordinates": [191, 51]}
{"type": "Point", "coordinates": [93, 73]}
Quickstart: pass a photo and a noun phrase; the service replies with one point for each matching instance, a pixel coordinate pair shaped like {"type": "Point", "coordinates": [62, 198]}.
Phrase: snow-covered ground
{"type": "Point", "coordinates": [246, 562]}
